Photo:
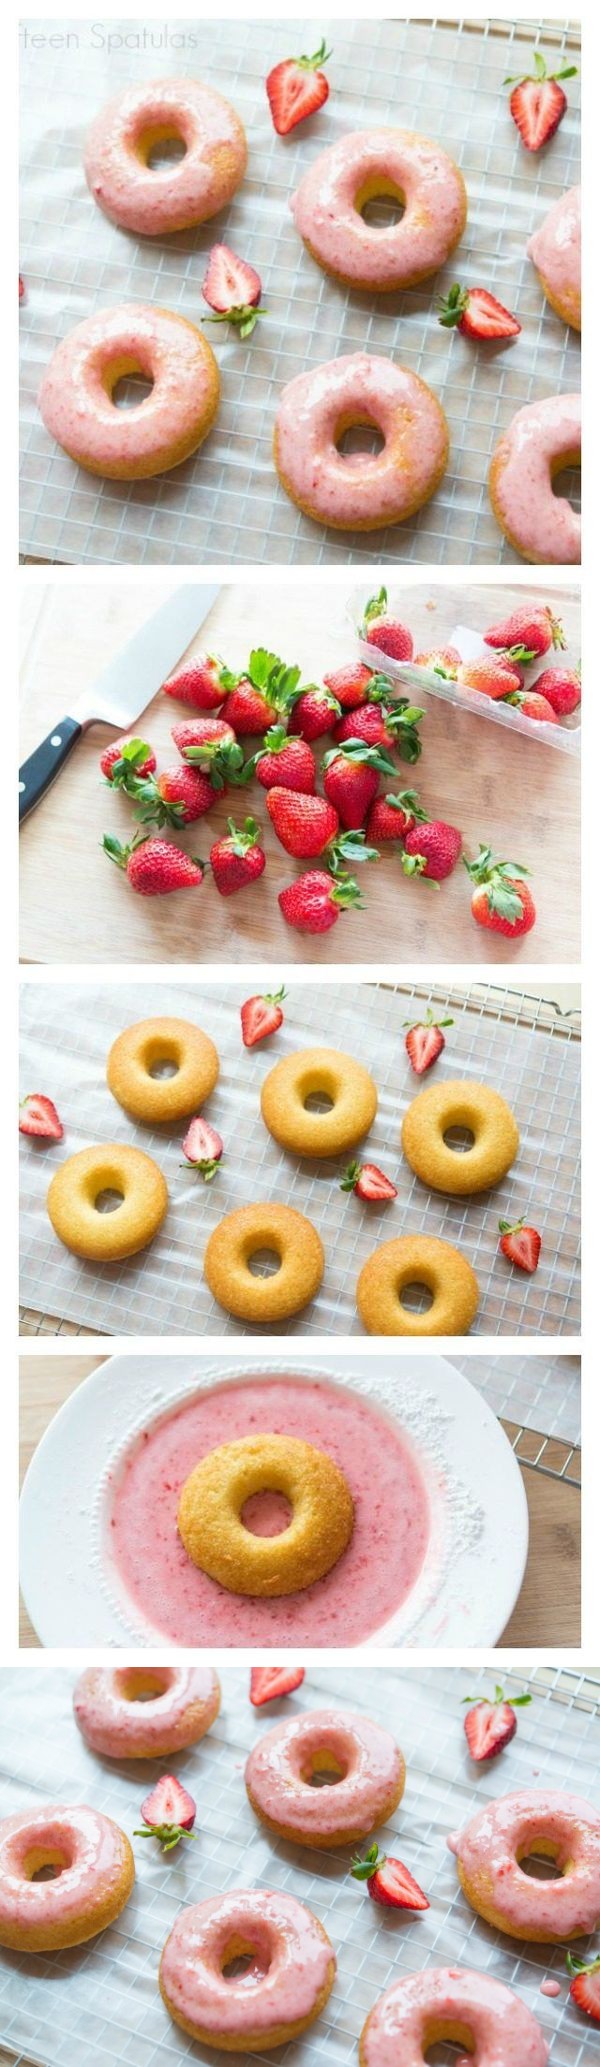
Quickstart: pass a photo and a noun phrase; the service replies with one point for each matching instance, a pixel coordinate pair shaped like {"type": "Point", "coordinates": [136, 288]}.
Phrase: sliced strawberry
{"type": "Point", "coordinates": [537, 104]}
{"type": "Point", "coordinates": [233, 289]}
{"type": "Point", "coordinates": [261, 1016]}
{"type": "Point", "coordinates": [203, 1148]}
{"type": "Point", "coordinates": [297, 88]}
{"type": "Point", "coordinates": [40, 1118]}
{"type": "Point", "coordinates": [585, 1985]}
{"type": "Point", "coordinates": [388, 1881]}
{"type": "Point", "coordinates": [475, 312]}
{"type": "Point", "coordinates": [424, 1042]}
{"type": "Point", "coordinates": [521, 1244]}
{"type": "Point", "coordinates": [271, 1682]}
{"type": "Point", "coordinates": [490, 1725]}
{"type": "Point", "coordinates": [169, 1813]}
{"type": "Point", "coordinates": [368, 1182]}
{"type": "Point", "coordinates": [21, 287]}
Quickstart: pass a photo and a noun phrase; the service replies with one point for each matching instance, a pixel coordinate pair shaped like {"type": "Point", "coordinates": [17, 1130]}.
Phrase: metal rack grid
{"type": "Point", "coordinates": [105, 1995]}
{"type": "Point", "coordinates": [443, 78]}
{"type": "Point", "coordinates": [66, 1035]}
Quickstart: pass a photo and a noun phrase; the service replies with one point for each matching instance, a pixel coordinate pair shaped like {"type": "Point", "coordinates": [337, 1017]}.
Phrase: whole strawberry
{"type": "Point", "coordinates": [247, 710]}
{"type": "Point", "coordinates": [303, 824]}
{"type": "Point", "coordinates": [537, 102]}
{"type": "Point", "coordinates": [237, 859]}
{"type": "Point", "coordinates": [314, 902]}
{"type": "Point", "coordinates": [387, 633]}
{"type": "Point", "coordinates": [520, 1244]}
{"type": "Point", "coordinates": [211, 744]}
{"type": "Point", "coordinates": [493, 678]}
{"type": "Point", "coordinates": [154, 867]}
{"type": "Point", "coordinates": [425, 1041]}
{"type": "Point", "coordinates": [585, 1984]}
{"type": "Point", "coordinates": [501, 900]}
{"type": "Point", "coordinates": [314, 714]}
{"type": "Point", "coordinates": [561, 687]}
{"type": "Point", "coordinates": [388, 1881]}
{"type": "Point", "coordinates": [443, 660]}
{"type": "Point", "coordinates": [532, 625]}
{"type": "Point", "coordinates": [197, 682]}
{"type": "Point", "coordinates": [286, 763]}
{"type": "Point", "coordinates": [534, 706]}
{"type": "Point", "coordinates": [264, 691]}
{"type": "Point", "coordinates": [379, 725]}
{"type": "Point", "coordinates": [392, 817]}
{"type": "Point", "coordinates": [431, 849]}
{"type": "Point", "coordinates": [490, 1725]}
{"type": "Point", "coordinates": [178, 797]}
{"type": "Point", "coordinates": [126, 759]}
{"type": "Point", "coordinates": [350, 684]}
{"type": "Point", "coordinates": [351, 779]}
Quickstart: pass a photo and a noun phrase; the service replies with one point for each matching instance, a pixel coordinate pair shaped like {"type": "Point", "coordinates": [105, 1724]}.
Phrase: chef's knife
{"type": "Point", "coordinates": [123, 690]}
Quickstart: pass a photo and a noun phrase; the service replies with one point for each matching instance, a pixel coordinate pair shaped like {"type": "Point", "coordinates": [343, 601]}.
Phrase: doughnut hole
{"type": "Point", "coordinates": [46, 1862]}
{"type": "Point", "coordinates": [266, 1513]}
{"type": "Point", "coordinates": [161, 1058]}
{"type": "Point", "coordinates": [144, 1682]}
{"type": "Point", "coordinates": [566, 479]}
{"type": "Point", "coordinates": [109, 1199]}
{"type": "Point", "coordinates": [324, 1770]}
{"type": "Point", "coordinates": [447, 2042]}
{"type": "Point", "coordinates": [541, 1858]}
{"type": "Point", "coordinates": [160, 146]}
{"type": "Point", "coordinates": [381, 203]}
{"type": "Point", "coordinates": [128, 383]}
{"type": "Point", "coordinates": [460, 1139]}
{"type": "Point", "coordinates": [241, 1961]}
{"type": "Point", "coordinates": [416, 1297]}
{"type": "Point", "coordinates": [263, 1263]}
{"type": "Point", "coordinates": [358, 439]}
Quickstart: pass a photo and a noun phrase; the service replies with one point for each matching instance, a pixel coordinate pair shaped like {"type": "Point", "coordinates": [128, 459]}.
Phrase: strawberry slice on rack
{"type": "Point", "coordinates": [521, 1244]}
{"type": "Point", "coordinates": [38, 1116]}
{"type": "Point", "coordinates": [388, 1881]}
{"type": "Point", "coordinates": [297, 88]}
{"type": "Point", "coordinates": [202, 1148]}
{"type": "Point", "coordinates": [261, 1016]}
{"type": "Point", "coordinates": [490, 1725]}
{"type": "Point", "coordinates": [537, 102]}
{"type": "Point", "coordinates": [169, 1813]}
{"type": "Point", "coordinates": [585, 1984]}
{"type": "Point", "coordinates": [271, 1682]}
{"type": "Point", "coordinates": [232, 289]}
{"type": "Point", "coordinates": [424, 1042]}
{"type": "Point", "coordinates": [476, 313]}
{"type": "Point", "coordinates": [369, 1182]}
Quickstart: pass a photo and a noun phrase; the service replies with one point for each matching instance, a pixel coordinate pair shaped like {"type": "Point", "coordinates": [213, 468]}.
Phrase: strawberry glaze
{"type": "Point", "coordinates": [370, 1581]}
{"type": "Point", "coordinates": [408, 2016]}
{"type": "Point", "coordinates": [292, 1966]}
{"type": "Point", "coordinates": [118, 1723]}
{"type": "Point", "coordinates": [76, 393]}
{"type": "Point", "coordinates": [326, 208]}
{"type": "Point", "coordinates": [367, 488]}
{"type": "Point", "coordinates": [556, 252]}
{"type": "Point", "coordinates": [177, 194]}
{"type": "Point", "coordinates": [489, 1847]}
{"type": "Point", "coordinates": [370, 1762]}
{"type": "Point", "coordinates": [541, 438]}
{"type": "Point", "coordinates": [95, 1853]}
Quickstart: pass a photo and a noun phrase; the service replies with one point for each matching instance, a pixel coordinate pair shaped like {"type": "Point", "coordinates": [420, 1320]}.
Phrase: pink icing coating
{"type": "Point", "coordinates": [290, 1971]}
{"type": "Point", "coordinates": [556, 247]}
{"type": "Point", "coordinates": [370, 1762]}
{"type": "Point", "coordinates": [373, 488]}
{"type": "Point", "coordinates": [503, 2030]}
{"type": "Point", "coordinates": [117, 1725]}
{"type": "Point", "coordinates": [392, 1522]}
{"type": "Point", "coordinates": [175, 195]}
{"type": "Point", "coordinates": [487, 1851]}
{"type": "Point", "coordinates": [93, 1847]}
{"type": "Point", "coordinates": [78, 410]}
{"type": "Point", "coordinates": [542, 523]}
{"type": "Point", "coordinates": [325, 212]}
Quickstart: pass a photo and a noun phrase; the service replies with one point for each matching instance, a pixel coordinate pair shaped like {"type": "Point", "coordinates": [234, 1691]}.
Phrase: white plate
{"type": "Point", "coordinates": [472, 1575]}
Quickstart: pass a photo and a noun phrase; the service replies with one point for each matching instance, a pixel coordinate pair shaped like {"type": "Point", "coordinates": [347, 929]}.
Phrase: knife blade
{"type": "Point", "coordinates": [124, 688]}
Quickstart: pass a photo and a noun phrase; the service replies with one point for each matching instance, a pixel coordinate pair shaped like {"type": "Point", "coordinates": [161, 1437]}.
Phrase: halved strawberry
{"type": "Point", "coordinates": [585, 1985]}
{"type": "Point", "coordinates": [271, 1682]}
{"type": "Point", "coordinates": [169, 1813]}
{"type": "Point", "coordinates": [203, 1148]}
{"type": "Point", "coordinates": [368, 1182]}
{"type": "Point", "coordinates": [490, 1725]}
{"type": "Point", "coordinates": [424, 1042]}
{"type": "Point", "coordinates": [521, 1244]}
{"type": "Point", "coordinates": [40, 1118]}
{"type": "Point", "coordinates": [388, 1881]}
{"type": "Point", "coordinates": [537, 104]}
{"type": "Point", "coordinates": [297, 88]}
{"type": "Point", "coordinates": [477, 313]}
{"type": "Point", "coordinates": [233, 289]}
{"type": "Point", "coordinates": [261, 1016]}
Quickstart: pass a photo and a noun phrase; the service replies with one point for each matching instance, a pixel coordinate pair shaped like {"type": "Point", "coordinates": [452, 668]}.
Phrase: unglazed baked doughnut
{"type": "Point", "coordinates": [76, 395]}
{"type": "Point", "coordinates": [556, 252]}
{"type": "Point", "coordinates": [291, 1976]}
{"type": "Point", "coordinates": [541, 1822]}
{"type": "Point", "coordinates": [418, 1259]}
{"type": "Point", "coordinates": [211, 1525]}
{"type": "Point", "coordinates": [238, 1237]}
{"type": "Point", "coordinates": [488, 1117]}
{"type": "Point", "coordinates": [360, 168]}
{"type": "Point", "coordinates": [541, 440]}
{"type": "Point", "coordinates": [327, 1740]}
{"type": "Point", "coordinates": [455, 2006]}
{"type": "Point", "coordinates": [145, 1711]}
{"type": "Point", "coordinates": [318, 1072]}
{"type": "Point", "coordinates": [94, 1879]}
{"type": "Point", "coordinates": [140, 1049]}
{"type": "Point", "coordinates": [366, 490]}
{"type": "Point", "coordinates": [107, 1237]}
{"type": "Point", "coordinates": [173, 196]}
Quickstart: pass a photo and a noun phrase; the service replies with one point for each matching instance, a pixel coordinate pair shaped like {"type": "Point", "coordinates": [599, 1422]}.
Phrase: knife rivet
{"type": "Point", "coordinates": [56, 739]}
{"type": "Point", "coordinates": [22, 786]}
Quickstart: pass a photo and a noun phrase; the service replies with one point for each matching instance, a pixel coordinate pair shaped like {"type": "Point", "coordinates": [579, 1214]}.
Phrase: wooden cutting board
{"type": "Point", "coordinates": [513, 792]}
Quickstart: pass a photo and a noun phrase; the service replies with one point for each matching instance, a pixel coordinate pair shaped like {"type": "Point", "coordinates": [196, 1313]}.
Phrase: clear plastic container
{"type": "Point", "coordinates": [418, 682]}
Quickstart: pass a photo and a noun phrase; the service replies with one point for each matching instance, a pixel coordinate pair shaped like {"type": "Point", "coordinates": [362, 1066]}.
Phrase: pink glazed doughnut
{"type": "Point", "coordinates": [541, 440]}
{"type": "Point", "coordinates": [557, 1826]}
{"type": "Point", "coordinates": [556, 252]}
{"type": "Point", "coordinates": [279, 1770]}
{"type": "Point", "coordinates": [365, 490]}
{"type": "Point", "coordinates": [127, 444]}
{"type": "Point", "coordinates": [451, 2004]}
{"type": "Point", "coordinates": [145, 1711]}
{"type": "Point", "coordinates": [328, 203]}
{"type": "Point", "coordinates": [175, 195]}
{"type": "Point", "coordinates": [292, 1971]}
{"type": "Point", "coordinates": [94, 1881]}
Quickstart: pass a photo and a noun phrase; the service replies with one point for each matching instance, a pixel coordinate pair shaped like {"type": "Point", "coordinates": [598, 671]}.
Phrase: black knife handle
{"type": "Point", "coordinates": [40, 768]}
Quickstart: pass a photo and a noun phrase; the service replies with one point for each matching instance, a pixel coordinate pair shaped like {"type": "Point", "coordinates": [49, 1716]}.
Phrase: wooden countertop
{"type": "Point", "coordinates": [547, 1612]}
{"type": "Point", "coordinates": [519, 795]}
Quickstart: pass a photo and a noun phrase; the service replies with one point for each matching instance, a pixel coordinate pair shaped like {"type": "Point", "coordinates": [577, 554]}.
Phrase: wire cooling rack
{"type": "Point", "coordinates": [442, 78]}
{"type": "Point", "coordinates": [513, 1045]}
{"type": "Point", "coordinates": [102, 2001]}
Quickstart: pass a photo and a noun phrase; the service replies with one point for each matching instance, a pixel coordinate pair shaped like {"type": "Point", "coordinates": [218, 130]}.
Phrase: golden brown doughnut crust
{"type": "Point", "coordinates": [211, 1503]}
{"type": "Point", "coordinates": [158, 1100]}
{"type": "Point", "coordinates": [441, 1106]}
{"type": "Point", "coordinates": [107, 1237]}
{"type": "Point", "coordinates": [308, 1073]}
{"type": "Point", "coordinates": [238, 1237]}
{"type": "Point", "coordinates": [410, 1260]}
{"type": "Point", "coordinates": [254, 2041]}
